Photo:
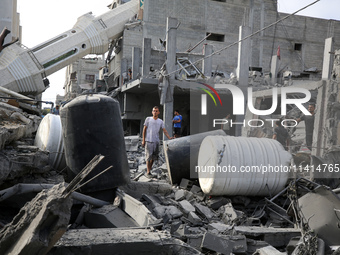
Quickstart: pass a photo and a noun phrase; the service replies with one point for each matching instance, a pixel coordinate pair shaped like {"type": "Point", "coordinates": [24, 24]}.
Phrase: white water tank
{"type": "Point", "coordinates": [49, 138]}
{"type": "Point", "coordinates": [229, 165]}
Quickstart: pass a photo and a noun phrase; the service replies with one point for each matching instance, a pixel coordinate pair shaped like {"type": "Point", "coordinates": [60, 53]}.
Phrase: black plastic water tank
{"type": "Point", "coordinates": [92, 125]}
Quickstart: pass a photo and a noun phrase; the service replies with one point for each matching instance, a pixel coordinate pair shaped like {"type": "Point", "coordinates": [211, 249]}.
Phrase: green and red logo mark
{"type": "Point", "coordinates": [204, 97]}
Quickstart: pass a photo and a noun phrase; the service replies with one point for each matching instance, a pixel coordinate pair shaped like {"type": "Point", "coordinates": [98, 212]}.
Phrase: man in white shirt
{"type": "Point", "coordinates": [152, 126]}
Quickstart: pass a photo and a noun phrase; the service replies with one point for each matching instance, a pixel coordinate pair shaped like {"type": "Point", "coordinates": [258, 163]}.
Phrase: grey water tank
{"type": "Point", "coordinates": [181, 155]}
{"type": "Point", "coordinates": [92, 125]}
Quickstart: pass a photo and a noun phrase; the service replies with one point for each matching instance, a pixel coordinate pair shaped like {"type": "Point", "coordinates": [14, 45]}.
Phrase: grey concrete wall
{"type": "Point", "coordinates": [200, 17]}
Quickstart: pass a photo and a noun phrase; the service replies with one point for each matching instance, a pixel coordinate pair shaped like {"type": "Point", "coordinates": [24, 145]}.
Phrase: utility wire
{"type": "Point", "coordinates": [245, 38]}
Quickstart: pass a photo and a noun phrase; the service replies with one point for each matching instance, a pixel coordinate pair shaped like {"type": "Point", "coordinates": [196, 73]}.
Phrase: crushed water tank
{"type": "Point", "coordinates": [229, 165]}
{"type": "Point", "coordinates": [92, 125]}
{"type": "Point", "coordinates": [49, 138]}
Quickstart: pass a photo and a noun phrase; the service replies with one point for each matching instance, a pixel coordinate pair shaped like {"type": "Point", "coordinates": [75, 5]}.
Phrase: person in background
{"type": "Point", "coordinates": [177, 120]}
{"type": "Point", "coordinates": [309, 125]}
{"type": "Point", "coordinates": [152, 126]}
{"type": "Point", "coordinates": [281, 135]}
{"type": "Point", "coordinates": [56, 110]}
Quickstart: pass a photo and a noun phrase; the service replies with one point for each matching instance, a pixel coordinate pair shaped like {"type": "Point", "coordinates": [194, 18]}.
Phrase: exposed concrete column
{"type": "Point", "coordinates": [243, 71]}
{"type": "Point", "coordinates": [207, 62]}
{"type": "Point", "coordinates": [168, 89]}
{"type": "Point", "coordinates": [274, 68]}
{"type": "Point", "coordinates": [327, 59]}
{"type": "Point", "coordinates": [146, 57]}
{"type": "Point", "coordinates": [320, 122]}
{"type": "Point", "coordinates": [135, 62]}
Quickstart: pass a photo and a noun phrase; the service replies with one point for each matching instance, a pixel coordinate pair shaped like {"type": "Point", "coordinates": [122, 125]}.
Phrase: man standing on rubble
{"type": "Point", "coordinates": [152, 126]}
{"type": "Point", "coordinates": [309, 125]}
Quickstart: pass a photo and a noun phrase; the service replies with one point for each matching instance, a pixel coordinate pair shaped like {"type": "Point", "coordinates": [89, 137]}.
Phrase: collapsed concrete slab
{"type": "Point", "coordinates": [276, 237]}
{"type": "Point", "coordinates": [38, 225]}
{"type": "Point", "coordinates": [119, 241]}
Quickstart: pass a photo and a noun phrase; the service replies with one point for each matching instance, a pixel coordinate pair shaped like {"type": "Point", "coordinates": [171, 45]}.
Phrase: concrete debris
{"type": "Point", "coordinates": [231, 216]}
{"type": "Point", "coordinates": [19, 161]}
{"type": "Point", "coordinates": [268, 250]}
{"type": "Point", "coordinates": [131, 143]}
{"type": "Point", "coordinates": [322, 209]}
{"type": "Point", "coordinates": [121, 241]}
{"type": "Point", "coordinates": [277, 237]}
{"type": "Point", "coordinates": [179, 217]}
{"type": "Point", "coordinates": [224, 244]}
{"type": "Point", "coordinates": [15, 124]}
{"type": "Point", "coordinates": [108, 216]}
{"type": "Point", "coordinates": [186, 207]}
{"type": "Point", "coordinates": [38, 225]}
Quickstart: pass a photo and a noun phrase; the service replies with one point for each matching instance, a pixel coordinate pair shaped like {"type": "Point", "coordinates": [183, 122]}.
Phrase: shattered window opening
{"type": "Point", "coordinates": [215, 37]}
{"type": "Point", "coordinates": [298, 46]}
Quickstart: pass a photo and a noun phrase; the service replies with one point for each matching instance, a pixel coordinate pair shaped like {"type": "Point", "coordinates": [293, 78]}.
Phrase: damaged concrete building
{"type": "Point", "coordinates": [96, 199]}
{"type": "Point", "coordinates": [204, 28]}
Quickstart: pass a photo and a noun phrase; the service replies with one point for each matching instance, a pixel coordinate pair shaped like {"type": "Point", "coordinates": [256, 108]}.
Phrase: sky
{"type": "Point", "coordinates": [43, 19]}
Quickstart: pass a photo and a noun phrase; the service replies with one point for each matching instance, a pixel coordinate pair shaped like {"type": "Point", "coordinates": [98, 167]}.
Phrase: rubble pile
{"type": "Point", "coordinates": [152, 216]}
{"type": "Point", "coordinates": [20, 161]}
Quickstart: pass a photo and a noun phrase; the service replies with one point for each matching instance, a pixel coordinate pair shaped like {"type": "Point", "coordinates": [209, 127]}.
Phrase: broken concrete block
{"type": "Point", "coordinates": [195, 189]}
{"type": "Point", "coordinates": [276, 237]}
{"type": "Point", "coordinates": [194, 219]}
{"type": "Point", "coordinates": [216, 202]}
{"type": "Point", "coordinates": [131, 142]}
{"type": "Point", "coordinates": [186, 207]}
{"type": "Point", "coordinates": [174, 226]}
{"type": "Point", "coordinates": [160, 211]}
{"type": "Point", "coordinates": [179, 232]}
{"type": "Point", "coordinates": [185, 184]}
{"type": "Point", "coordinates": [108, 216]}
{"type": "Point", "coordinates": [189, 196]}
{"type": "Point", "coordinates": [119, 241]}
{"type": "Point", "coordinates": [204, 211]}
{"type": "Point", "coordinates": [39, 224]}
{"type": "Point", "coordinates": [268, 250]}
{"type": "Point", "coordinates": [230, 215]}
{"type": "Point", "coordinates": [224, 244]}
{"type": "Point", "coordinates": [195, 241]}
{"type": "Point", "coordinates": [180, 194]}
{"type": "Point", "coordinates": [153, 201]}
{"type": "Point", "coordinates": [137, 189]}
{"type": "Point", "coordinates": [193, 230]}
{"type": "Point", "coordinates": [218, 227]}
{"type": "Point", "coordinates": [136, 210]}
